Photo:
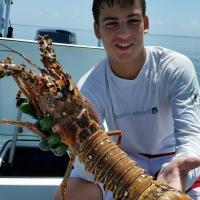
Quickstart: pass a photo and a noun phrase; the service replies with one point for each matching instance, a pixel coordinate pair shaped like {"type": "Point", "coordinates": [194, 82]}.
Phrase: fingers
{"type": "Point", "coordinates": [188, 163]}
{"type": "Point", "coordinates": [174, 174]}
{"type": "Point", "coordinates": [171, 177]}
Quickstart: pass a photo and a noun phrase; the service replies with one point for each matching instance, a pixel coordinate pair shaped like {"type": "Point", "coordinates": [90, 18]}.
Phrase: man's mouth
{"type": "Point", "coordinates": [124, 45]}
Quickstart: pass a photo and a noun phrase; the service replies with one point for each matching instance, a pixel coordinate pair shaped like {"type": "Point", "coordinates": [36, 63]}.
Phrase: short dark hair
{"type": "Point", "coordinates": [97, 5]}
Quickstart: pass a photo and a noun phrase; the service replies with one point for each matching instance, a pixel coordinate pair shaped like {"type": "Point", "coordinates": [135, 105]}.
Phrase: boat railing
{"type": "Point", "coordinates": [14, 139]}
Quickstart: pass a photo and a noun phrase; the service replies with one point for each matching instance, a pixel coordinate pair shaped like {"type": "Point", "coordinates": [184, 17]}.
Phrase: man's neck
{"type": "Point", "coordinates": [129, 70]}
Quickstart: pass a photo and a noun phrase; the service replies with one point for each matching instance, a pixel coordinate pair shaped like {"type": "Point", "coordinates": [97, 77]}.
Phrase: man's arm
{"type": "Point", "coordinates": [184, 94]}
{"type": "Point", "coordinates": [79, 189]}
{"type": "Point", "coordinates": [174, 174]}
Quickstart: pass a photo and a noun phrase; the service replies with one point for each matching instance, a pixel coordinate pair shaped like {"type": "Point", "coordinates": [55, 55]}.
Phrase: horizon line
{"type": "Point", "coordinates": [82, 29]}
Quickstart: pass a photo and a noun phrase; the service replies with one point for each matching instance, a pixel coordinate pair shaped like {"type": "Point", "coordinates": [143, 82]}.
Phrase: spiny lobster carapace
{"type": "Point", "coordinates": [52, 93]}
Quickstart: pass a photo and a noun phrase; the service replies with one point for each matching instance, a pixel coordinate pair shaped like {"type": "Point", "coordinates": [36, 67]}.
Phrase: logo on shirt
{"type": "Point", "coordinates": [153, 110]}
{"type": "Point", "coordinates": [195, 99]}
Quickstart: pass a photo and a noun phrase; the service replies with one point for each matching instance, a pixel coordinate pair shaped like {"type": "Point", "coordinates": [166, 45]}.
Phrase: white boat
{"type": "Point", "coordinates": [26, 172]}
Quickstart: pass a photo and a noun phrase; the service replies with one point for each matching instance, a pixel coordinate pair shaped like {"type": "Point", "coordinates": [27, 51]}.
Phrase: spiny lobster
{"type": "Point", "coordinates": [53, 94]}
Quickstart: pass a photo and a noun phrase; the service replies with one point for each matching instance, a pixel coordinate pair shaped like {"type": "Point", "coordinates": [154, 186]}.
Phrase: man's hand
{"type": "Point", "coordinates": [79, 189]}
{"type": "Point", "coordinates": [174, 174]}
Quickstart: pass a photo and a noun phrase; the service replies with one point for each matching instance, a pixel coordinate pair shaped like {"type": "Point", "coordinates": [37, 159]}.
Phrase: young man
{"type": "Point", "coordinates": [150, 93]}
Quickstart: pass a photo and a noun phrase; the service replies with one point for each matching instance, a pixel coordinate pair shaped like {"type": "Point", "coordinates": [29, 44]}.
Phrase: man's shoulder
{"type": "Point", "coordinates": [94, 75]}
{"type": "Point", "coordinates": [169, 64]}
{"type": "Point", "coordinates": [168, 57]}
{"type": "Point", "coordinates": [163, 52]}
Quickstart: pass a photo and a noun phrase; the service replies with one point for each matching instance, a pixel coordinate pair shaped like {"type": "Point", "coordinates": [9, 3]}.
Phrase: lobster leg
{"type": "Point", "coordinates": [115, 133]}
{"type": "Point", "coordinates": [72, 155]}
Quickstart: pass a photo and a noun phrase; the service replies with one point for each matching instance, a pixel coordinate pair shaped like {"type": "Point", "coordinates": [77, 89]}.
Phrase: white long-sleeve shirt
{"type": "Point", "coordinates": [158, 111]}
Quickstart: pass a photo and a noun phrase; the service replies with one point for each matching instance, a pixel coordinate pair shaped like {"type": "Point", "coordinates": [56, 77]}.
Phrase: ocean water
{"type": "Point", "coordinates": [189, 46]}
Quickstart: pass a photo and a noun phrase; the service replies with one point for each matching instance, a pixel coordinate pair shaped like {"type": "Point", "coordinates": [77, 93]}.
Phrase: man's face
{"type": "Point", "coordinates": [121, 30]}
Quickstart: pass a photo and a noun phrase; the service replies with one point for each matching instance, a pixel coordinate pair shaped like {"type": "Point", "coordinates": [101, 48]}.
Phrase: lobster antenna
{"type": "Point", "coordinates": [22, 55]}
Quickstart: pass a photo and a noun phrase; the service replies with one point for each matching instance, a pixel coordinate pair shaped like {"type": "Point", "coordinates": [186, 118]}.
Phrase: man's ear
{"type": "Point", "coordinates": [146, 24]}
{"type": "Point", "coordinates": [96, 31]}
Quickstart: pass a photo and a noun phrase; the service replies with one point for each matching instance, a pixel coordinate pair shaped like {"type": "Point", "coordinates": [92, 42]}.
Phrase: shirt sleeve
{"type": "Point", "coordinates": [184, 94]}
{"type": "Point", "coordinates": [89, 90]}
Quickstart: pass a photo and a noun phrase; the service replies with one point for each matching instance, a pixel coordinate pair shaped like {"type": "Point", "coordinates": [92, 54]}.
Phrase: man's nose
{"type": "Point", "coordinates": [123, 31]}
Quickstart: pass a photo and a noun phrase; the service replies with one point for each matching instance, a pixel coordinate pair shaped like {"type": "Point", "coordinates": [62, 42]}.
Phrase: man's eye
{"type": "Point", "coordinates": [110, 24]}
{"type": "Point", "coordinates": [134, 21]}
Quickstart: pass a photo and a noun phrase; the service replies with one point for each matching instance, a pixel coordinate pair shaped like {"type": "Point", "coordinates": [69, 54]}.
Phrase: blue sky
{"type": "Point", "coordinates": [174, 17]}
{"type": "Point", "coordinates": [168, 17]}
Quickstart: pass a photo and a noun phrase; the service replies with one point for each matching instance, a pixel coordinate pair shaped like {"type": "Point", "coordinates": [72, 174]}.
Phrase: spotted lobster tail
{"type": "Point", "coordinates": [111, 166]}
